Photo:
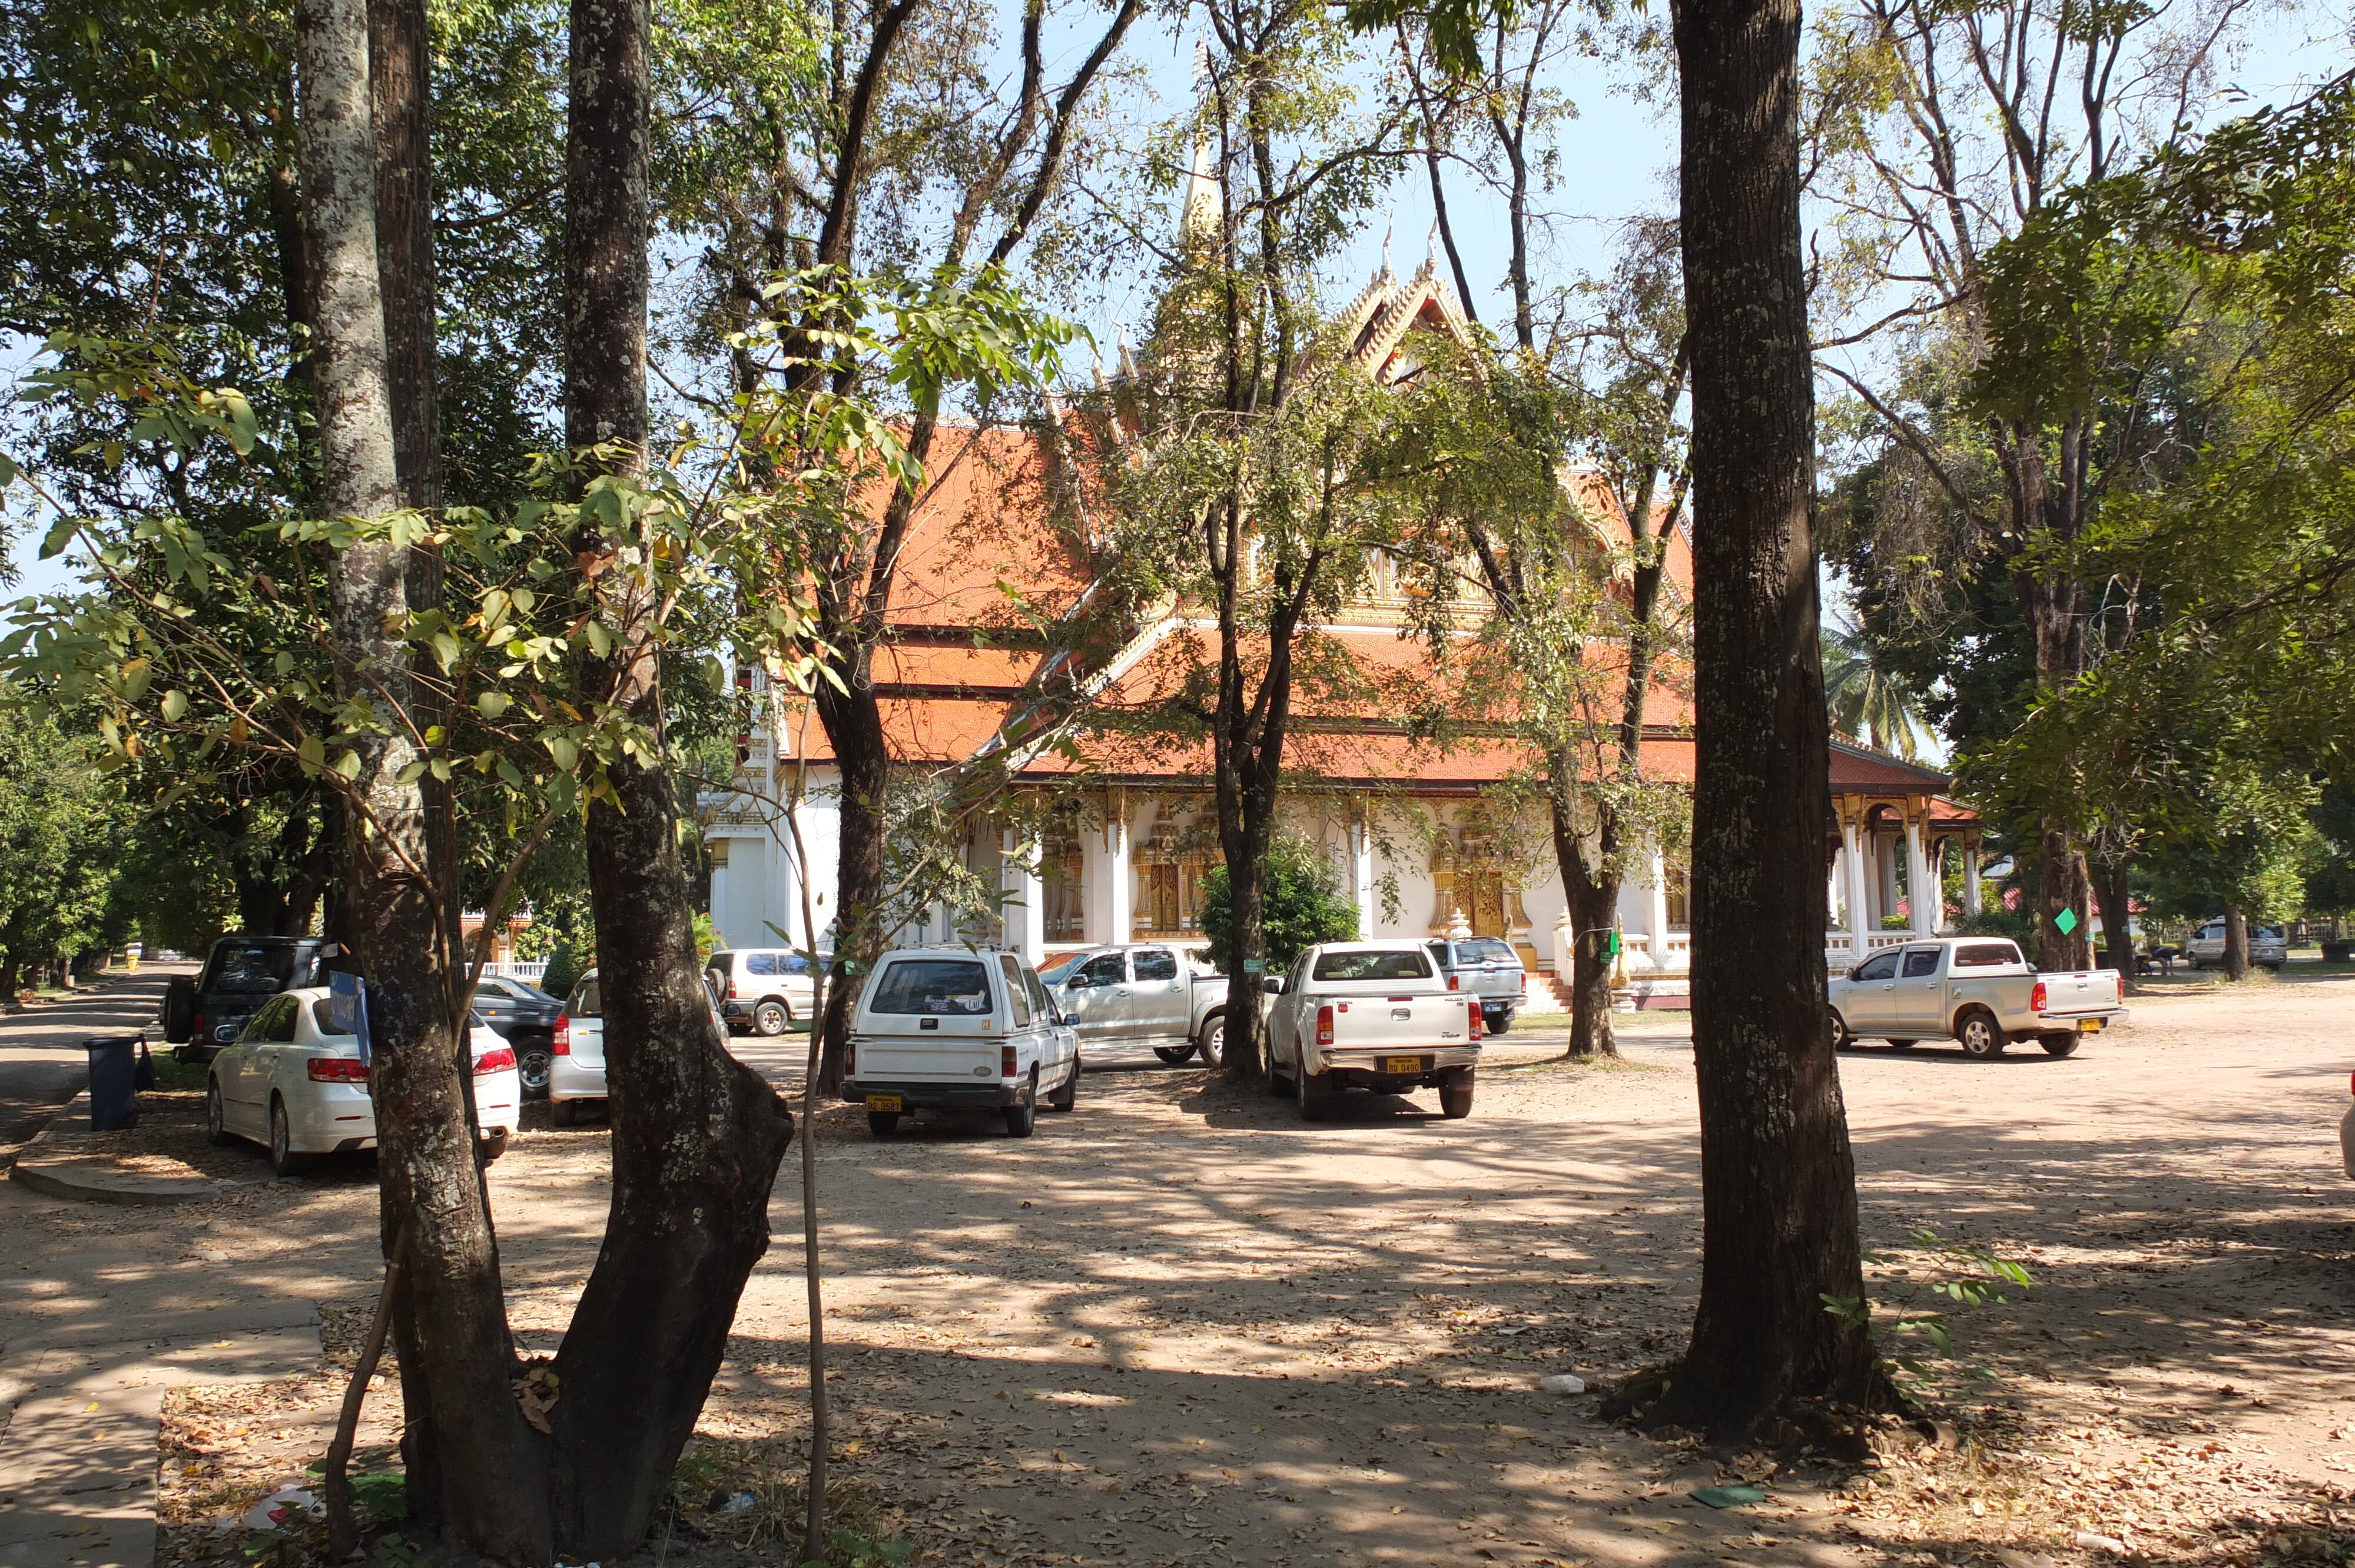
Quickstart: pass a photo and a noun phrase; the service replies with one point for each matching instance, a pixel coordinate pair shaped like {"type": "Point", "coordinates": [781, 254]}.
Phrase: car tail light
{"type": "Point", "coordinates": [2036, 997]}
{"type": "Point", "coordinates": [1005, 1061]}
{"type": "Point", "coordinates": [562, 1044]}
{"type": "Point", "coordinates": [1325, 1026]}
{"type": "Point", "coordinates": [338, 1070]}
{"type": "Point", "coordinates": [1454, 982]}
{"type": "Point", "coordinates": [495, 1060]}
{"type": "Point", "coordinates": [731, 991]}
{"type": "Point", "coordinates": [1477, 1019]}
{"type": "Point", "coordinates": [197, 1028]}
{"type": "Point", "coordinates": [849, 1056]}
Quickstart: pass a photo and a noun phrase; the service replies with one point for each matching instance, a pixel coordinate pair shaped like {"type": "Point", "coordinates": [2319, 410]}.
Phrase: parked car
{"type": "Point", "coordinates": [1975, 989]}
{"type": "Point", "coordinates": [2346, 1132]}
{"type": "Point", "coordinates": [952, 1029]}
{"type": "Point", "coordinates": [524, 1017]}
{"type": "Point", "coordinates": [202, 1013]}
{"type": "Point", "coordinates": [294, 1083]}
{"type": "Point", "coordinates": [1371, 1015]}
{"type": "Point", "coordinates": [766, 989]}
{"type": "Point", "coordinates": [576, 1068]}
{"type": "Point", "coordinates": [1167, 995]}
{"type": "Point", "coordinates": [2267, 947]}
{"type": "Point", "coordinates": [1489, 969]}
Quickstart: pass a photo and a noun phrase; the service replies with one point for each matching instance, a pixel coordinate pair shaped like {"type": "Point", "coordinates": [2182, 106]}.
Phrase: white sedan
{"type": "Point", "coordinates": [292, 1081]}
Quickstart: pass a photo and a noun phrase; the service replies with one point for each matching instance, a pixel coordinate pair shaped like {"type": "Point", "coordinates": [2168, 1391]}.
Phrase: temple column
{"type": "Point", "coordinates": [1122, 897]}
{"type": "Point", "coordinates": [1970, 876]}
{"type": "Point", "coordinates": [1025, 915]}
{"type": "Point", "coordinates": [1656, 913]}
{"type": "Point", "coordinates": [1926, 900]}
{"type": "Point", "coordinates": [1362, 872]}
{"type": "Point", "coordinates": [1853, 840]}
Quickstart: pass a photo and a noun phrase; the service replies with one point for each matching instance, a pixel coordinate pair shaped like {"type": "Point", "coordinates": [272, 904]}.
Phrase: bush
{"type": "Point", "coordinates": [1305, 905]}
{"type": "Point", "coordinates": [1998, 922]}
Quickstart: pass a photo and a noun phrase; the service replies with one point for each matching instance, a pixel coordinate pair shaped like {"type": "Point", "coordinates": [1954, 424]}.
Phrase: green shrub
{"type": "Point", "coordinates": [1305, 905]}
{"type": "Point", "coordinates": [1995, 921]}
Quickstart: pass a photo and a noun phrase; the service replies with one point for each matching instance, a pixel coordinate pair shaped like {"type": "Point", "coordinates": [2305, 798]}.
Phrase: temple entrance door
{"type": "Point", "coordinates": [1483, 890]}
{"type": "Point", "coordinates": [1160, 899]}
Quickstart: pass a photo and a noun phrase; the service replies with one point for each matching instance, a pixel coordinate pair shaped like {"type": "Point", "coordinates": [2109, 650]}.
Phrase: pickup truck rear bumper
{"type": "Point", "coordinates": [938, 1095]}
{"type": "Point", "coordinates": [1349, 1066]}
{"type": "Point", "coordinates": [2065, 1023]}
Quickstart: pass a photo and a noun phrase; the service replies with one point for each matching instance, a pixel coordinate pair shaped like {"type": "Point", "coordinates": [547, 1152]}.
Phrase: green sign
{"type": "Point", "coordinates": [1611, 945]}
{"type": "Point", "coordinates": [2066, 920]}
{"type": "Point", "coordinates": [1254, 966]}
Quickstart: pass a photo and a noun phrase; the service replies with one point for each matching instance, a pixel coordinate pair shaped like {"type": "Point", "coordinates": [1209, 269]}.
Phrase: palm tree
{"type": "Point", "coordinates": [1869, 704]}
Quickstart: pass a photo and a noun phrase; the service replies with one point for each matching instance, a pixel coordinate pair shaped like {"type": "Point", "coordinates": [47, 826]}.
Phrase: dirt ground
{"type": "Point", "coordinates": [1181, 1326]}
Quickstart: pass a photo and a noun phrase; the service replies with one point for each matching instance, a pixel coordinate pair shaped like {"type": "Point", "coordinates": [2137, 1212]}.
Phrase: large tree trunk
{"type": "Point", "coordinates": [2236, 942]}
{"type": "Point", "coordinates": [1778, 1181]}
{"type": "Point", "coordinates": [2111, 891]}
{"type": "Point", "coordinates": [2062, 886]}
{"type": "Point", "coordinates": [455, 1371]}
{"type": "Point", "coordinates": [697, 1135]}
{"type": "Point", "coordinates": [1593, 897]}
{"type": "Point", "coordinates": [1244, 845]}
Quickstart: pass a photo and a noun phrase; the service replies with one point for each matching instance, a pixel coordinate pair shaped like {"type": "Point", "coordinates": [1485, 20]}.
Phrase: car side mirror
{"type": "Point", "coordinates": [1071, 1020]}
{"type": "Point", "coordinates": [1078, 983]}
{"type": "Point", "coordinates": [1271, 985]}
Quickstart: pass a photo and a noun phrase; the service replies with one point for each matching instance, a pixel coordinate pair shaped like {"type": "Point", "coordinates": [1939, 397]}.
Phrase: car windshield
{"type": "Point", "coordinates": [251, 970]}
{"type": "Point", "coordinates": [1485, 950]}
{"type": "Point", "coordinates": [322, 1013]}
{"type": "Point", "coordinates": [932, 985]}
{"type": "Point", "coordinates": [1985, 955]}
{"type": "Point", "coordinates": [1396, 964]}
{"type": "Point", "coordinates": [586, 1002]}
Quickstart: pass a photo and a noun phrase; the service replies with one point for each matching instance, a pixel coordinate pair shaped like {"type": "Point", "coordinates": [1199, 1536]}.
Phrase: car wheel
{"type": "Point", "coordinates": [564, 1113]}
{"type": "Point", "coordinates": [883, 1124]}
{"type": "Point", "coordinates": [1902, 1044]}
{"type": "Point", "coordinates": [534, 1062]}
{"type": "Point", "coordinates": [488, 1149]}
{"type": "Point", "coordinates": [1455, 1097]}
{"type": "Point", "coordinates": [1981, 1036]}
{"type": "Point", "coordinates": [2271, 969]}
{"type": "Point", "coordinates": [1841, 1038]}
{"type": "Point", "coordinates": [1022, 1120]}
{"type": "Point", "coordinates": [216, 1131]}
{"type": "Point", "coordinates": [1312, 1092]}
{"type": "Point", "coordinates": [1173, 1055]}
{"type": "Point", "coordinates": [2058, 1045]}
{"type": "Point", "coordinates": [283, 1160]}
{"type": "Point", "coordinates": [1213, 1042]}
{"type": "Point", "coordinates": [771, 1018]}
{"type": "Point", "coordinates": [1066, 1097]}
{"type": "Point", "coordinates": [1497, 1024]}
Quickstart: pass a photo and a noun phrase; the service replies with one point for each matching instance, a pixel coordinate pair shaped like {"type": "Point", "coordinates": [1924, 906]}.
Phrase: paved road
{"type": "Point", "coordinates": [41, 1061]}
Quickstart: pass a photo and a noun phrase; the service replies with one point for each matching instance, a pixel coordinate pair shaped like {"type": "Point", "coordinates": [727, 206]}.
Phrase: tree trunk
{"type": "Point", "coordinates": [2062, 886]}
{"type": "Point", "coordinates": [854, 728]}
{"type": "Point", "coordinates": [456, 1363]}
{"type": "Point", "coordinates": [2236, 942]}
{"type": "Point", "coordinates": [2111, 890]}
{"type": "Point", "coordinates": [697, 1135]}
{"type": "Point", "coordinates": [1778, 1180]}
{"type": "Point", "coordinates": [1593, 898]}
{"type": "Point", "coordinates": [1245, 1061]}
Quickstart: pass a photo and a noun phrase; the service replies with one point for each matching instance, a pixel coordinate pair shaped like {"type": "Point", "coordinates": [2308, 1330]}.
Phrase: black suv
{"type": "Point", "coordinates": [204, 1014]}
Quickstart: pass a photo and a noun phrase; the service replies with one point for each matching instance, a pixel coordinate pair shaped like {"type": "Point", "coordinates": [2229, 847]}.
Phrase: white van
{"type": "Point", "coordinates": [952, 1029]}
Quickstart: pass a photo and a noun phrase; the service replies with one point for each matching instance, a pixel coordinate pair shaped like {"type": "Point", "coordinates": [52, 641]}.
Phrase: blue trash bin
{"type": "Point", "coordinates": [113, 1081]}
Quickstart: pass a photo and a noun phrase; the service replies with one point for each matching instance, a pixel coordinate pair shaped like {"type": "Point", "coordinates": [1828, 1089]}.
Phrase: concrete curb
{"type": "Point", "coordinates": [57, 1163]}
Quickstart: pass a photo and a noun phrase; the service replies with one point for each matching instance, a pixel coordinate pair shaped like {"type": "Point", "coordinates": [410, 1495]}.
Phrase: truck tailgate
{"type": "Point", "coordinates": [2092, 991]}
{"type": "Point", "coordinates": [926, 1058]}
{"type": "Point", "coordinates": [1402, 1022]}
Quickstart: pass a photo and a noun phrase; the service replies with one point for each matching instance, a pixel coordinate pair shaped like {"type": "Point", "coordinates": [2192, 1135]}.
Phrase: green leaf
{"type": "Point", "coordinates": [312, 754]}
{"type": "Point", "coordinates": [174, 706]}
{"type": "Point", "coordinates": [60, 535]}
{"type": "Point", "coordinates": [491, 705]}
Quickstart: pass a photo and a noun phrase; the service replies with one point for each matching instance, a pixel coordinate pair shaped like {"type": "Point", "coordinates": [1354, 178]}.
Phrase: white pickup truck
{"type": "Point", "coordinates": [1370, 1015]}
{"type": "Point", "coordinates": [952, 1029]}
{"type": "Point", "coordinates": [1975, 989]}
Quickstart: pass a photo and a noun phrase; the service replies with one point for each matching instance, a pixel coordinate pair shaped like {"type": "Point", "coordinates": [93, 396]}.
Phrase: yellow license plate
{"type": "Point", "coordinates": [2088, 1026]}
{"type": "Point", "coordinates": [1395, 1066]}
{"type": "Point", "coordinates": [884, 1103]}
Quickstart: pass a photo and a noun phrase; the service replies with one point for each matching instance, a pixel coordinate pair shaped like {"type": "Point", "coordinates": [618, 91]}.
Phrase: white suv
{"type": "Point", "coordinates": [2267, 949]}
{"type": "Point", "coordinates": [769, 988]}
{"type": "Point", "coordinates": [949, 1029]}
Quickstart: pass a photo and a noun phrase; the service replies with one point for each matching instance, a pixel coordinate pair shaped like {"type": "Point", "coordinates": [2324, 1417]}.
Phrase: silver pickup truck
{"type": "Point", "coordinates": [1487, 967]}
{"type": "Point", "coordinates": [1165, 995]}
{"type": "Point", "coordinates": [1370, 1015]}
{"type": "Point", "coordinates": [1975, 989]}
